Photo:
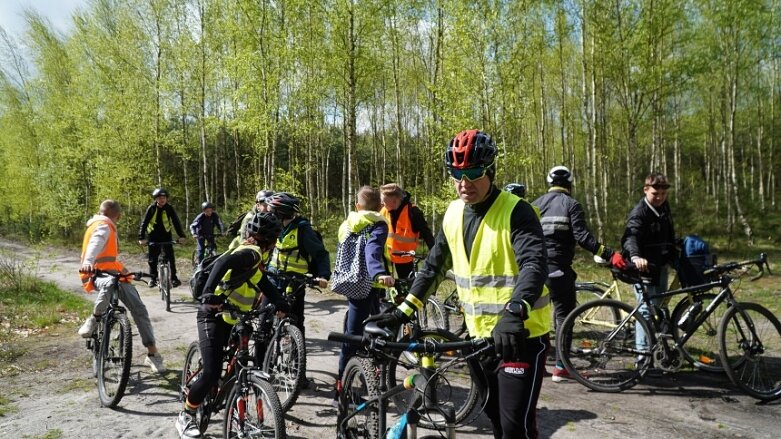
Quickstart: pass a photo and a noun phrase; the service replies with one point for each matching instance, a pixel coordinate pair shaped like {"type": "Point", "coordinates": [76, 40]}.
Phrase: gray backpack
{"type": "Point", "coordinates": [351, 277]}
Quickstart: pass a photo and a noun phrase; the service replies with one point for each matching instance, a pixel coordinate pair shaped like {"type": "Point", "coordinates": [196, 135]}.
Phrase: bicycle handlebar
{"type": "Point", "coordinates": [158, 244]}
{"type": "Point", "coordinates": [760, 262]}
{"type": "Point", "coordinates": [374, 337]}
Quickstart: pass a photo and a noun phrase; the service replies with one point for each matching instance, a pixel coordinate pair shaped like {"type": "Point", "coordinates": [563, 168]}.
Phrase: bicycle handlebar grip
{"type": "Point", "coordinates": [345, 338]}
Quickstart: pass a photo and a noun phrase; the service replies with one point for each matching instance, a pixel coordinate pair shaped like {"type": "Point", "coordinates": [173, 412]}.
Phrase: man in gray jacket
{"type": "Point", "coordinates": [564, 225]}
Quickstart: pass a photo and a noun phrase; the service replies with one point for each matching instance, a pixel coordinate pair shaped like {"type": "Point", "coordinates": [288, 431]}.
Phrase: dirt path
{"type": "Point", "coordinates": [54, 388]}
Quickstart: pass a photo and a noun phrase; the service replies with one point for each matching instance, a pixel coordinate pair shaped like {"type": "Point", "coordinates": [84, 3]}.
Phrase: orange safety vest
{"type": "Point", "coordinates": [401, 237]}
{"type": "Point", "coordinates": [107, 259]}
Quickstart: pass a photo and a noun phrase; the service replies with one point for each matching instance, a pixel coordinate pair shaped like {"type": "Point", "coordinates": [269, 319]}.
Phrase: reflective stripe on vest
{"type": "Point", "coordinates": [401, 237]}
{"type": "Point", "coordinates": [107, 259]}
{"type": "Point", "coordinates": [286, 256]}
{"type": "Point", "coordinates": [486, 279]}
{"type": "Point", "coordinates": [244, 296]}
{"type": "Point", "coordinates": [166, 221]}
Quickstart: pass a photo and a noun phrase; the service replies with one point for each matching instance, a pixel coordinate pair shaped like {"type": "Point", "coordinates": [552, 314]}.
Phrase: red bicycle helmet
{"type": "Point", "coordinates": [470, 149]}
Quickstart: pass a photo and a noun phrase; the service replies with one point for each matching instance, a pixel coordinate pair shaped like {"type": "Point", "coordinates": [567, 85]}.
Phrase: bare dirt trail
{"type": "Point", "coordinates": [53, 388]}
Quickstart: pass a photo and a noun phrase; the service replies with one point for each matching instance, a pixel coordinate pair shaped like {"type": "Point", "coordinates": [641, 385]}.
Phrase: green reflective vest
{"type": "Point", "coordinates": [166, 222]}
{"type": "Point", "coordinates": [286, 256]}
{"type": "Point", "coordinates": [245, 295]}
{"type": "Point", "coordinates": [486, 279]}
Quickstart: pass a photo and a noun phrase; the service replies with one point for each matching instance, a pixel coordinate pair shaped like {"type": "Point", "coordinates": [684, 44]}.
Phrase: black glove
{"type": "Point", "coordinates": [510, 336]}
{"type": "Point", "coordinates": [607, 253]}
{"type": "Point", "coordinates": [391, 319]}
{"type": "Point", "coordinates": [212, 299]}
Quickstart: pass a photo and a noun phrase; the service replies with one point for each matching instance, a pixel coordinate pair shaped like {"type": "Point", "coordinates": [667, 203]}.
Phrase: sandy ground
{"type": "Point", "coordinates": [52, 386]}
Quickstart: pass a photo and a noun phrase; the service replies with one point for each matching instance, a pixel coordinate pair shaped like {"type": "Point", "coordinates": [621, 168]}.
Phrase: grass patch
{"type": "Point", "coordinates": [51, 434]}
{"type": "Point", "coordinates": [82, 384]}
{"type": "Point", "coordinates": [6, 406]}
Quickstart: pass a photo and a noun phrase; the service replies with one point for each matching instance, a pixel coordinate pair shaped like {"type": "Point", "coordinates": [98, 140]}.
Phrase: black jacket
{"type": "Point", "coordinates": [158, 233]}
{"type": "Point", "coordinates": [564, 225]}
{"type": "Point", "coordinates": [528, 246]}
{"type": "Point", "coordinates": [650, 234]}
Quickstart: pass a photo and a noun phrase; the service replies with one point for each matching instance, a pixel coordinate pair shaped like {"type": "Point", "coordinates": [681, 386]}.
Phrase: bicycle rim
{"type": "Point", "coordinates": [285, 361]}
{"type": "Point", "coordinates": [455, 387]}
{"type": "Point", "coordinates": [165, 285]}
{"type": "Point", "coordinates": [754, 355]}
{"type": "Point", "coordinates": [598, 353]}
{"type": "Point", "coordinates": [454, 314]}
{"type": "Point", "coordinates": [116, 354]}
{"type": "Point", "coordinates": [702, 348]}
{"type": "Point", "coordinates": [253, 411]}
{"type": "Point", "coordinates": [360, 381]}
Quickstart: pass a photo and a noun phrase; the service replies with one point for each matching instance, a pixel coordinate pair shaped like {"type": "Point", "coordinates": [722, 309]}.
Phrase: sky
{"type": "Point", "coordinates": [57, 11]}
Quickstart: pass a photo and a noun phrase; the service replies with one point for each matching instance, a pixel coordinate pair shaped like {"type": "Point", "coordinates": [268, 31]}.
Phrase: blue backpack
{"type": "Point", "coordinates": [696, 257]}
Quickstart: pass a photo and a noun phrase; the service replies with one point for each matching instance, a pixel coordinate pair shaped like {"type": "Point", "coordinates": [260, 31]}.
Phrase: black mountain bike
{"type": "Point", "coordinates": [211, 250]}
{"type": "Point", "coordinates": [285, 357]}
{"type": "Point", "coordinates": [604, 357]}
{"type": "Point", "coordinates": [424, 394]}
{"type": "Point", "coordinates": [112, 343]}
{"type": "Point", "coordinates": [253, 407]}
{"type": "Point", "coordinates": [164, 272]}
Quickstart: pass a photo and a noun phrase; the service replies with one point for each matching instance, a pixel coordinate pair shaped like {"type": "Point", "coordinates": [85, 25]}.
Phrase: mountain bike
{"type": "Point", "coordinates": [432, 315]}
{"type": "Point", "coordinates": [702, 347]}
{"type": "Point", "coordinates": [164, 272]}
{"type": "Point", "coordinates": [607, 359]}
{"type": "Point", "coordinates": [285, 346]}
{"type": "Point", "coordinates": [253, 407]}
{"type": "Point", "coordinates": [365, 397]}
{"type": "Point", "coordinates": [454, 311]}
{"type": "Point", "coordinates": [211, 250]}
{"type": "Point", "coordinates": [112, 343]}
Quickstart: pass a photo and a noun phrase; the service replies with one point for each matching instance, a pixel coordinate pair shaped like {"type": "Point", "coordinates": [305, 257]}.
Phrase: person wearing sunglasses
{"type": "Point", "coordinates": [649, 242]}
{"type": "Point", "coordinates": [564, 226]}
{"type": "Point", "coordinates": [493, 241]}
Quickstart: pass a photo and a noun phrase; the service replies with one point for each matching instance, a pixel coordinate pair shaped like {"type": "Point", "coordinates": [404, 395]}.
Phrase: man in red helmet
{"type": "Point", "coordinates": [494, 244]}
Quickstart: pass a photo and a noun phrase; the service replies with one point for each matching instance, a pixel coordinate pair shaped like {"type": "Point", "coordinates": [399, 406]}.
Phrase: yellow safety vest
{"type": "Point", "coordinates": [286, 256]}
{"type": "Point", "coordinates": [485, 280]}
{"type": "Point", "coordinates": [244, 296]}
{"type": "Point", "coordinates": [166, 222]}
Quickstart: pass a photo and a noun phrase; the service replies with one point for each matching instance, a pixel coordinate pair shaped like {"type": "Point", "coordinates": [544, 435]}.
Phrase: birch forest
{"type": "Point", "coordinates": [217, 99]}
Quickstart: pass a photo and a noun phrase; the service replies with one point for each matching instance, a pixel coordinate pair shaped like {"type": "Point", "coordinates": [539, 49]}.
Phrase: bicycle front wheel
{"type": "Point", "coordinates": [355, 419]}
{"type": "Point", "coordinates": [750, 342]}
{"type": "Point", "coordinates": [456, 388]}
{"type": "Point", "coordinates": [116, 354]}
{"type": "Point", "coordinates": [285, 361]}
{"type": "Point", "coordinates": [192, 372]}
{"type": "Point", "coordinates": [164, 282]}
{"type": "Point", "coordinates": [253, 411]}
{"type": "Point", "coordinates": [432, 316]}
{"type": "Point", "coordinates": [702, 348]}
{"type": "Point", "coordinates": [600, 353]}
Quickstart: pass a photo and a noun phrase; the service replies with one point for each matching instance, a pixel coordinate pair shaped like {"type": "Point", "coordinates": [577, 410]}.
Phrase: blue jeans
{"type": "Point", "coordinates": [201, 243]}
{"type": "Point", "coordinates": [653, 289]}
{"type": "Point", "coordinates": [357, 312]}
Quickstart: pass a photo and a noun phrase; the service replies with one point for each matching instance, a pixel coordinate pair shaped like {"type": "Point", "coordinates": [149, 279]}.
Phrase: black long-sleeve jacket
{"type": "Point", "coordinates": [564, 225]}
{"type": "Point", "coordinates": [240, 261]}
{"type": "Point", "coordinates": [650, 234]}
{"type": "Point", "coordinates": [158, 233]}
{"type": "Point", "coordinates": [527, 241]}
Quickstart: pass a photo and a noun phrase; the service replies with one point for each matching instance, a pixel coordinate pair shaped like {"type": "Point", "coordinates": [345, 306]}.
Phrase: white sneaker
{"type": "Point", "coordinates": [185, 425]}
{"type": "Point", "coordinates": [88, 327]}
{"type": "Point", "coordinates": [155, 362]}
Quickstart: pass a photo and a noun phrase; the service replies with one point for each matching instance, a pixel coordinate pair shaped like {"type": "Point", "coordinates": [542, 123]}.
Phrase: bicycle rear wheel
{"type": "Point", "coordinates": [455, 386]}
{"type": "Point", "coordinates": [454, 314]}
{"type": "Point", "coordinates": [599, 353]}
{"type": "Point", "coordinates": [253, 411]}
{"type": "Point", "coordinates": [285, 361]}
{"type": "Point", "coordinates": [702, 348]}
{"type": "Point", "coordinates": [116, 354]}
{"type": "Point", "coordinates": [750, 341]}
{"type": "Point", "coordinates": [360, 382]}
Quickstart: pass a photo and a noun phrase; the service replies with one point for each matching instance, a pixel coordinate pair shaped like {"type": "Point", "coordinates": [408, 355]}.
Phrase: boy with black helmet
{"type": "Point", "coordinates": [156, 226]}
{"type": "Point", "coordinates": [202, 228]}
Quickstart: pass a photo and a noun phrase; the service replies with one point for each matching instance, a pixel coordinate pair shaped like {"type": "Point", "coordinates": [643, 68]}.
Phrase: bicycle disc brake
{"type": "Point", "coordinates": [667, 359]}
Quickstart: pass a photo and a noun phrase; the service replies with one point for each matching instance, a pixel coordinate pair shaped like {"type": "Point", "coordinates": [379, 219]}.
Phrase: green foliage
{"type": "Point", "coordinates": [217, 99]}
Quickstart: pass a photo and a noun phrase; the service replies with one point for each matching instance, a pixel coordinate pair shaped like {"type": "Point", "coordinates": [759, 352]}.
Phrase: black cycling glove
{"type": "Point", "coordinates": [510, 337]}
